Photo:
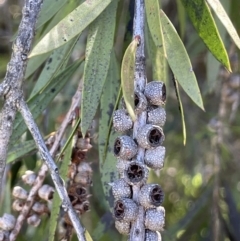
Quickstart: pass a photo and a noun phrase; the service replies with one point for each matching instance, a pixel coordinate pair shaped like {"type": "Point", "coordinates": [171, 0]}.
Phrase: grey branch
{"type": "Point", "coordinates": [10, 88]}
{"type": "Point", "coordinates": [45, 155]}
{"type": "Point", "coordinates": [137, 232]}
{"type": "Point", "coordinates": [76, 101]}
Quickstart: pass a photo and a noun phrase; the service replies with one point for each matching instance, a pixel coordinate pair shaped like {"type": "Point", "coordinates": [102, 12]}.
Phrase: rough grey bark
{"type": "Point", "coordinates": [137, 232]}
{"type": "Point", "coordinates": [10, 88]}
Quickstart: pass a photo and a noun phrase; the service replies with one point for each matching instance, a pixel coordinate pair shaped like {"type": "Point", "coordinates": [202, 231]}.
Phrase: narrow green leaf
{"type": "Point", "coordinates": [108, 99]}
{"type": "Point", "coordinates": [20, 149]}
{"type": "Point", "coordinates": [157, 58]}
{"type": "Point", "coordinates": [222, 15]}
{"type": "Point", "coordinates": [49, 8]}
{"type": "Point", "coordinates": [88, 236]}
{"type": "Point", "coordinates": [73, 24]}
{"type": "Point", "coordinates": [127, 76]}
{"type": "Point", "coordinates": [63, 170]}
{"type": "Point", "coordinates": [154, 23]}
{"type": "Point", "coordinates": [109, 171]}
{"type": "Point", "coordinates": [40, 101]}
{"type": "Point", "coordinates": [34, 63]}
{"type": "Point", "coordinates": [204, 23]}
{"type": "Point", "coordinates": [154, 40]}
{"type": "Point", "coordinates": [52, 66]}
{"type": "Point", "coordinates": [179, 61]}
{"type": "Point", "coordinates": [98, 53]}
{"type": "Point", "coordinates": [182, 112]}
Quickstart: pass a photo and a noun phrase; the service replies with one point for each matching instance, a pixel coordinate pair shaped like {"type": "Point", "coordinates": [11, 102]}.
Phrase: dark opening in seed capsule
{"type": "Point", "coordinates": [155, 137]}
{"type": "Point", "coordinates": [135, 173]}
{"type": "Point", "coordinates": [119, 210]}
{"type": "Point", "coordinates": [157, 195]}
{"type": "Point", "coordinates": [81, 191]}
{"type": "Point", "coordinates": [117, 147]}
{"type": "Point", "coordinates": [164, 93]}
{"type": "Point", "coordinates": [136, 100]}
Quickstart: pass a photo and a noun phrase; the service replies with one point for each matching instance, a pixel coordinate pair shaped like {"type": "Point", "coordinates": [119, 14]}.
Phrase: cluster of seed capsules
{"type": "Point", "coordinates": [79, 181]}
{"type": "Point", "coordinates": [41, 206]}
{"type": "Point", "coordinates": [132, 171]}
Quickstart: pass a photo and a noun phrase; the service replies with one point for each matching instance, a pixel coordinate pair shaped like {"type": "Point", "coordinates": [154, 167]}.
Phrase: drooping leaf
{"type": "Point", "coordinates": [157, 58]}
{"type": "Point", "coordinates": [49, 8]}
{"type": "Point", "coordinates": [182, 112]}
{"type": "Point", "coordinates": [204, 23]}
{"type": "Point", "coordinates": [127, 76]}
{"type": "Point", "coordinates": [98, 53]}
{"type": "Point", "coordinates": [73, 24]}
{"type": "Point", "coordinates": [108, 102]}
{"type": "Point", "coordinates": [52, 66]}
{"type": "Point", "coordinates": [154, 23]}
{"type": "Point", "coordinates": [40, 101]}
{"type": "Point", "coordinates": [56, 203]}
{"type": "Point", "coordinates": [20, 150]}
{"type": "Point", "coordinates": [179, 61]}
{"type": "Point", "coordinates": [154, 40]}
{"type": "Point", "coordinates": [223, 16]}
{"type": "Point", "coordinates": [109, 172]}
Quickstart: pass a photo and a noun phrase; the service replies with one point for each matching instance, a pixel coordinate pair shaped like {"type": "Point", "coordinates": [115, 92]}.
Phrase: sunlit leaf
{"type": "Point", "coordinates": [88, 236]}
{"type": "Point", "coordinates": [53, 64]}
{"type": "Point", "coordinates": [56, 203]}
{"type": "Point", "coordinates": [222, 15]}
{"type": "Point", "coordinates": [41, 100]}
{"type": "Point", "coordinates": [127, 76]}
{"type": "Point", "coordinates": [98, 53]}
{"type": "Point", "coordinates": [108, 99]}
{"type": "Point", "coordinates": [49, 8]}
{"type": "Point", "coordinates": [179, 61]}
{"type": "Point", "coordinates": [204, 23]}
{"type": "Point", "coordinates": [73, 24]}
{"type": "Point", "coordinates": [182, 112]}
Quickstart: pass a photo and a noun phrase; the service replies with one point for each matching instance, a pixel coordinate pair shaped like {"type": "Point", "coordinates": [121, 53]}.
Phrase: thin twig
{"type": "Point", "coordinates": [137, 232]}
{"type": "Point", "coordinates": [11, 86]}
{"type": "Point", "coordinates": [76, 101]}
{"type": "Point", "coordinates": [45, 155]}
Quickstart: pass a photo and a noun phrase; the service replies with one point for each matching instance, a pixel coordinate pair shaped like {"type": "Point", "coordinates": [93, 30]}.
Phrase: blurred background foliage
{"type": "Point", "coordinates": [201, 179]}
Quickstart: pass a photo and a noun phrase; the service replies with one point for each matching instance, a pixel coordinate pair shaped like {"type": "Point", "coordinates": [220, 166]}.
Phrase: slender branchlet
{"type": "Point", "coordinates": [76, 100]}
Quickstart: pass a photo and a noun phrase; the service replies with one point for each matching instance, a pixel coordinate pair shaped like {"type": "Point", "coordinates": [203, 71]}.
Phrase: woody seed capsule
{"type": "Point", "coordinates": [7, 222]}
{"type": "Point", "coordinates": [39, 208]}
{"type": "Point", "coordinates": [135, 173]}
{"type": "Point", "coordinates": [121, 189]}
{"type": "Point", "coordinates": [121, 166]}
{"type": "Point", "coordinates": [151, 196]}
{"type": "Point", "coordinates": [152, 236]}
{"type": "Point", "coordinates": [125, 147]}
{"type": "Point", "coordinates": [18, 205]}
{"type": "Point", "coordinates": [125, 209]}
{"type": "Point", "coordinates": [34, 220]}
{"type": "Point", "coordinates": [155, 219]}
{"type": "Point", "coordinates": [19, 192]}
{"type": "Point", "coordinates": [157, 116]}
{"type": "Point", "coordinates": [154, 158]}
{"type": "Point", "coordinates": [29, 177]}
{"type": "Point", "coordinates": [155, 91]}
{"type": "Point", "coordinates": [123, 227]}
{"type": "Point", "coordinates": [121, 121]}
{"type": "Point", "coordinates": [46, 192]}
{"type": "Point", "coordinates": [150, 136]}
